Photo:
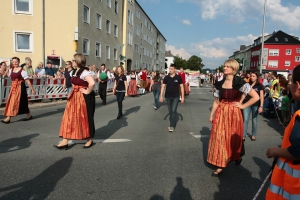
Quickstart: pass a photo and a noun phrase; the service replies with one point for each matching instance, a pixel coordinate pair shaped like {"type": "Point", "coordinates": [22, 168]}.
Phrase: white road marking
{"type": "Point", "coordinates": [201, 136]}
{"type": "Point", "coordinates": [99, 141]}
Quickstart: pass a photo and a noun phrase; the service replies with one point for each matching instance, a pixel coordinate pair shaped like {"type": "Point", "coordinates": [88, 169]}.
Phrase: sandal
{"type": "Point", "coordinates": [217, 172]}
{"type": "Point", "coordinates": [253, 138]}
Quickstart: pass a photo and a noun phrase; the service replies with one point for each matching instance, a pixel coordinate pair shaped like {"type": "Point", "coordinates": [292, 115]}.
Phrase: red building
{"type": "Point", "coordinates": [281, 52]}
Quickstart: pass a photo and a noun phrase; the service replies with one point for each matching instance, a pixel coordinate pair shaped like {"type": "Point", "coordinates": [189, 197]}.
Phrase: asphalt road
{"type": "Point", "coordinates": [134, 158]}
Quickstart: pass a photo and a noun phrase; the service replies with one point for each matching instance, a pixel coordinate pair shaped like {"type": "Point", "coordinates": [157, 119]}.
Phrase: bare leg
{"type": "Point", "coordinates": [7, 119]}
{"type": "Point", "coordinates": [89, 142]}
{"type": "Point", "coordinates": [63, 142]}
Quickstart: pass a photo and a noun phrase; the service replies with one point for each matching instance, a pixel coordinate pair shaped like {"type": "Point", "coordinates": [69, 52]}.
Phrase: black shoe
{"type": "Point", "coordinates": [86, 147]}
{"type": "Point", "coordinates": [238, 162]}
{"type": "Point", "coordinates": [27, 119]}
{"type": "Point", "coordinates": [64, 147]}
{"type": "Point", "coordinates": [5, 122]}
{"type": "Point", "coordinates": [119, 116]}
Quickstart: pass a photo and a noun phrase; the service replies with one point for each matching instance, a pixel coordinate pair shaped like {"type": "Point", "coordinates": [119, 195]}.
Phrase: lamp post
{"type": "Point", "coordinates": [263, 38]}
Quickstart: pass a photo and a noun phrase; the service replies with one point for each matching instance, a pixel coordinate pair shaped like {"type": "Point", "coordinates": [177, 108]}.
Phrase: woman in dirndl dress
{"type": "Point", "coordinates": [226, 138]}
{"type": "Point", "coordinates": [17, 102]}
{"type": "Point", "coordinates": [78, 119]}
{"type": "Point", "coordinates": [132, 90]}
{"type": "Point", "coordinates": [187, 84]}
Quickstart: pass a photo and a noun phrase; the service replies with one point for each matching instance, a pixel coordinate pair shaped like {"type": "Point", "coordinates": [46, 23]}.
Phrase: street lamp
{"type": "Point", "coordinates": [263, 38]}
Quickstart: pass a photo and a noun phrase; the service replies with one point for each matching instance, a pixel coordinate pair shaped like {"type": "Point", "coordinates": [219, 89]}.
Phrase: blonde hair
{"type": "Point", "coordinates": [233, 64]}
{"type": "Point", "coordinates": [27, 60]}
{"type": "Point", "coordinates": [80, 60]}
{"type": "Point", "coordinates": [40, 64]}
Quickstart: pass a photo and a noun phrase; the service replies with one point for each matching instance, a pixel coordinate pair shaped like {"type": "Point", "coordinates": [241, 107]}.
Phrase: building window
{"type": "Point", "coordinates": [130, 17]}
{"type": "Point", "coordinates": [115, 54]}
{"type": "Point", "coordinates": [23, 41]}
{"type": "Point", "coordinates": [108, 2]}
{"type": "Point", "coordinates": [287, 63]}
{"type": "Point", "coordinates": [107, 52]}
{"type": "Point", "coordinates": [129, 38]}
{"type": "Point", "coordinates": [137, 31]}
{"type": "Point", "coordinates": [136, 48]}
{"type": "Point", "coordinates": [138, 14]}
{"type": "Point", "coordinates": [98, 21]}
{"type": "Point", "coordinates": [98, 50]}
{"type": "Point", "coordinates": [274, 52]}
{"type": "Point", "coordinates": [285, 39]}
{"type": "Point", "coordinates": [297, 58]}
{"type": "Point", "coordinates": [115, 30]}
{"type": "Point", "coordinates": [23, 6]}
{"type": "Point", "coordinates": [86, 14]}
{"type": "Point", "coordinates": [107, 26]}
{"type": "Point", "coordinates": [85, 46]}
{"type": "Point", "coordinates": [276, 39]}
{"type": "Point", "coordinates": [116, 7]}
{"type": "Point", "coordinates": [288, 52]}
{"type": "Point", "coordinates": [298, 50]}
{"type": "Point", "coordinates": [273, 64]}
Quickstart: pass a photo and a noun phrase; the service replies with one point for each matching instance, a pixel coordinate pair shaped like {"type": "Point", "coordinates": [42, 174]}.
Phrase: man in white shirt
{"type": "Point", "coordinates": [103, 83]}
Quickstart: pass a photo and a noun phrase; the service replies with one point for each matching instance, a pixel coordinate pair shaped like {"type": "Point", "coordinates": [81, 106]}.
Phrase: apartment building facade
{"type": "Point", "coordinates": [103, 30]}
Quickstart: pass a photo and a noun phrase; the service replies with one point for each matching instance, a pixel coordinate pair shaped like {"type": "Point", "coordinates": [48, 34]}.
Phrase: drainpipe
{"type": "Point", "coordinates": [43, 32]}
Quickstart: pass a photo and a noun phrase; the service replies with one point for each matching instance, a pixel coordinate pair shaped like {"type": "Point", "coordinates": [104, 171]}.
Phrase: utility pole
{"type": "Point", "coordinates": [263, 38]}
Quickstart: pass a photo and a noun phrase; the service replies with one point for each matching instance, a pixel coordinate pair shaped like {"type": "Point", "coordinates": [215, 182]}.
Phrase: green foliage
{"type": "Point", "coordinates": [220, 68]}
{"type": "Point", "coordinates": [180, 62]}
{"type": "Point", "coordinates": [193, 63]}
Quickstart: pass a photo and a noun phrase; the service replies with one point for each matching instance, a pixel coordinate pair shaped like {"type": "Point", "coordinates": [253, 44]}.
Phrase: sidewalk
{"type": "Point", "coordinates": [48, 104]}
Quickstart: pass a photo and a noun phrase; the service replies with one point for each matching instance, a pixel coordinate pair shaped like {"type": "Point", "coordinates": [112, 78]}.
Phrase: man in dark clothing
{"type": "Point", "coordinates": [49, 70]}
{"type": "Point", "coordinates": [174, 85]}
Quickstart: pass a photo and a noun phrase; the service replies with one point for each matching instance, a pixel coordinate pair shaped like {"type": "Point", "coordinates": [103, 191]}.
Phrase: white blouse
{"type": "Point", "coordinates": [23, 73]}
{"type": "Point", "coordinates": [84, 74]}
{"type": "Point", "coordinates": [244, 89]}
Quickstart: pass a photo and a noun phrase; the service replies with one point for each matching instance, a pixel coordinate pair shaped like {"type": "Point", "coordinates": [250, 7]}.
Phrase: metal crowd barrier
{"type": "Point", "coordinates": [46, 88]}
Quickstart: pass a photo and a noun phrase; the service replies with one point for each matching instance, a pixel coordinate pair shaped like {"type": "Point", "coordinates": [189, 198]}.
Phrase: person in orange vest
{"type": "Point", "coordinates": [285, 181]}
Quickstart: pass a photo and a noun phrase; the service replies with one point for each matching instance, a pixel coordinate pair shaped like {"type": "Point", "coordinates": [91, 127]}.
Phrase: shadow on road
{"type": "Point", "coordinates": [178, 117]}
{"type": "Point", "coordinates": [47, 114]}
{"type": "Point", "coordinates": [179, 192]}
{"type": "Point", "coordinates": [40, 186]}
{"type": "Point", "coordinates": [16, 144]}
{"type": "Point", "coordinates": [114, 125]}
{"type": "Point", "coordinates": [205, 140]}
{"type": "Point", "coordinates": [238, 183]}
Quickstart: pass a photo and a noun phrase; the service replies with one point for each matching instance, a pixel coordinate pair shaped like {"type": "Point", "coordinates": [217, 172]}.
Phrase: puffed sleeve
{"type": "Point", "coordinates": [245, 88]}
{"type": "Point", "coordinates": [24, 74]}
{"type": "Point", "coordinates": [84, 74]}
{"type": "Point", "coordinates": [9, 73]}
{"type": "Point", "coordinates": [216, 93]}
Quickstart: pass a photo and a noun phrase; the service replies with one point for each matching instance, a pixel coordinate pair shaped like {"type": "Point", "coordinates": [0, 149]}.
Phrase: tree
{"type": "Point", "coordinates": [180, 62]}
{"type": "Point", "coordinates": [220, 68]}
{"type": "Point", "coordinates": [195, 63]}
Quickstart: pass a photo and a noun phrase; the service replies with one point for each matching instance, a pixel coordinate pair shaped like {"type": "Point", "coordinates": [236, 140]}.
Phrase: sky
{"type": "Point", "coordinates": [214, 29]}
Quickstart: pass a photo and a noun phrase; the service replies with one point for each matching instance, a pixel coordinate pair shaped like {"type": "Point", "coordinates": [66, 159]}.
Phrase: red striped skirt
{"type": "Point", "coordinates": [132, 90]}
{"type": "Point", "coordinates": [226, 136]}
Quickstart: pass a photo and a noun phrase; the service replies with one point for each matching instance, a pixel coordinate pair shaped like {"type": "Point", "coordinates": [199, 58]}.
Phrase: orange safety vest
{"type": "Point", "coordinates": [285, 182]}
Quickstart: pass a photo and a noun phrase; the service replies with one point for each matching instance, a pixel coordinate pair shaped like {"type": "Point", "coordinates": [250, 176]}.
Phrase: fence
{"type": "Point", "coordinates": [45, 88]}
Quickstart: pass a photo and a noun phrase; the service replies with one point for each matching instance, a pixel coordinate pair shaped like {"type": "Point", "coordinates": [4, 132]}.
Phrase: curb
{"type": "Point", "coordinates": [43, 105]}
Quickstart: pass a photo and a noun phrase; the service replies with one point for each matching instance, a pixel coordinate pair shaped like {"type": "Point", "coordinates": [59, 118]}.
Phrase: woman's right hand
{"type": "Point", "coordinates": [211, 120]}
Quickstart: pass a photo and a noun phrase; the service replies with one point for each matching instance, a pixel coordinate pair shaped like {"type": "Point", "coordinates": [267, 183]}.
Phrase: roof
{"type": "Point", "coordinates": [281, 37]}
{"type": "Point", "coordinates": [168, 54]}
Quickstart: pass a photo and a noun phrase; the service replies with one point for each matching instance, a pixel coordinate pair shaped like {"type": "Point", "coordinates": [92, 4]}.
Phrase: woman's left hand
{"type": "Point", "coordinates": [33, 91]}
{"type": "Point", "coordinates": [83, 91]}
{"type": "Point", "coordinates": [260, 110]}
{"type": "Point", "coordinates": [238, 105]}
{"type": "Point", "coordinates": [126, 95]}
